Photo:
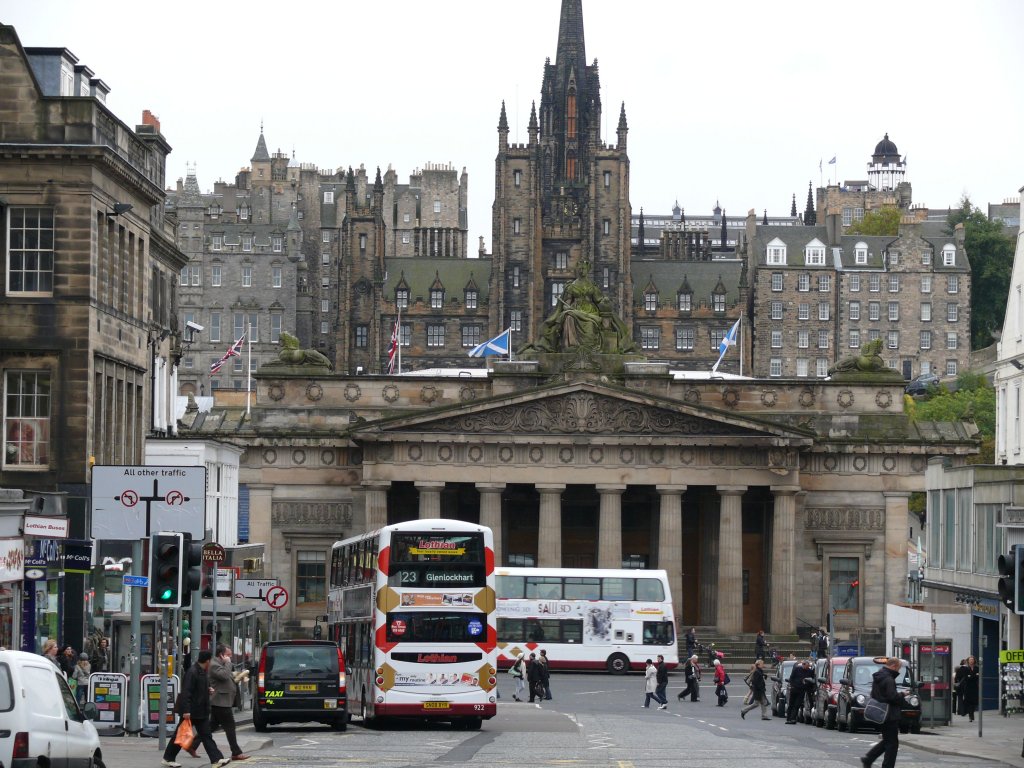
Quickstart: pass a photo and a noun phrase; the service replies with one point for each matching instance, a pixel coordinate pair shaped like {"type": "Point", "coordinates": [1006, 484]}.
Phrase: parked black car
{"type": "Point", "coordinates": [855, 688]}
{"type": "Point", "coordinates": [780, 687]}
{"type": "Point", "coordinates": [922, 384]}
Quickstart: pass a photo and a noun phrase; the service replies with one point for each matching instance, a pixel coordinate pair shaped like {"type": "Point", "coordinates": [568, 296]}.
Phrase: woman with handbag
{"type": "Point", "coordinates": [883, 691]}
{"type": "Point", "coordinates": [519, 675]}
{"type": "Point", "coordinates": [969, 687]}
{"type": "Point", "coordinates": [721, 680]}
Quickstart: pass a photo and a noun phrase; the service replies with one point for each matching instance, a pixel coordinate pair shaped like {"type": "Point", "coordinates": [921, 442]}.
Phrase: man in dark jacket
{"type": "Point", "coordinates": [691, 671]}
{"type": "Point", "coordinates": [661, 678]}
{"type": "Point", "coordinates": [691, 642]}
{"type": "Point", "coordinates": [545, 674]}
{"type": "Point", "coordinates": [758, 691]}
{"type": "Point", "coordinates": [195, 713]}
{"type": "Point", "coordinates": [534, 677]}
{"type": "Point", "coordinates": [222, 678]}
{"type": "Point", "coordinates": [795, 696]}
{"type": "Point", "coordinates": [883, 689]}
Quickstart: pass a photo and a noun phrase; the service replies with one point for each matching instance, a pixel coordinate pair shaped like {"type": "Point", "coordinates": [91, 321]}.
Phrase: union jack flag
{"type": "Point", "coordinates": [235, 350]}
{"type": "Point", "coordinates": [393, 349]}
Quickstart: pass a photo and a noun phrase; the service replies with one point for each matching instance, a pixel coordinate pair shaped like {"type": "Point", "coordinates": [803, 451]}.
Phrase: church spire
{"type": "Point", "coordinates": [810, 217]}
{"type": "Point", "coordinates": [534, 129]}
{"type": "Point", "coordinates": [792, 208]}
{"type": "Point", "coordinates": [261, 154]}
{"type": "Point", "coordinates": [572, 51]}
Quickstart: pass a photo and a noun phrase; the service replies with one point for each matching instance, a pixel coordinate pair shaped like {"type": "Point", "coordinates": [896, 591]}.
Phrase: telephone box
{"type": "Point", "coordinates": [932, 662]}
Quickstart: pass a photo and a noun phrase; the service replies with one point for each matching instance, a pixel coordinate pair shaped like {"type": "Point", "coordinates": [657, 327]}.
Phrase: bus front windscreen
{"type": "Point", "coordinates": [437, 560]}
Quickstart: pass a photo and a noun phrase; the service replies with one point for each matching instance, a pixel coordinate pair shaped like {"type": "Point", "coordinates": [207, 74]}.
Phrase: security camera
{"type": "Point", "coordinates": [194, 327]}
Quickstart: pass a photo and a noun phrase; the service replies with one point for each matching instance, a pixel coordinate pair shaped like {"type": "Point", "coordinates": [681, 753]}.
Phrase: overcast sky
{"type": "Point", "coordinates": [732, 101]}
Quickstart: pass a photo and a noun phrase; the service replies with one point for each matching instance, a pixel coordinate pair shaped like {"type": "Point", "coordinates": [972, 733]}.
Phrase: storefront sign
{"type": "Point", "coordinates": [12, 560]}
{"type": "Point", "coordinates": [1011, 657]}
{"type": "Point", "coordinates": [77, 556]}
{"type": "Point", "coordinates": [109, 692]}
{"type": "Point", "coordinates": [46, 527]}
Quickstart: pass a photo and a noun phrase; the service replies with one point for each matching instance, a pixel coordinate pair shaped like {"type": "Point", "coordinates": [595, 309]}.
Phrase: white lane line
{"type": "Point", "coordinates": [591, 693]}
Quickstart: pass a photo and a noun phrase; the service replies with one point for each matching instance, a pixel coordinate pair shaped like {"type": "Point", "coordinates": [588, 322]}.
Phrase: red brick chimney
{"type": "Point", "coordinates": [148, 118]}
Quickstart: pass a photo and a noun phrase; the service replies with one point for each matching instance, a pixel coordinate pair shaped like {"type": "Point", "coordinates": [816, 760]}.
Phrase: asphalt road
{"type": "Point", "coordinates": [594, 720]}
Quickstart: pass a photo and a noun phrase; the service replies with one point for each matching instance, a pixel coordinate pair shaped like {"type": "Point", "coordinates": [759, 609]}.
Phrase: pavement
{"type": "Point", "coordinates": [1001, 738]}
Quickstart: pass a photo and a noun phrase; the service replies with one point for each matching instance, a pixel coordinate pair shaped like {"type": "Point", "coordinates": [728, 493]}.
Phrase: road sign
{"type": "Point", "coordinates": [254, 588]}
{"type": "Point", "coordinates": [277, 597]}
{"type": "Point", "coordinates": [214, 553]}
{"type": "Point", "coordinates": [131, 502]}
{"type": "Point", "coordinates": [136, 581]}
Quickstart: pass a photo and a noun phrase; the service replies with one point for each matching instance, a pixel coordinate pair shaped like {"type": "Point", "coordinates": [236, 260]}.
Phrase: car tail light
{"type": "Point", "coordinates": [261, 677]}
{"type": "Point", "coordinates": [20, 745]}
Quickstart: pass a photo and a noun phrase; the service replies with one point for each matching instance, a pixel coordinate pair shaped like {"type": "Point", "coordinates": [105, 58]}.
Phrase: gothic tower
{"type": "Point", "coordinates": [561, 197]}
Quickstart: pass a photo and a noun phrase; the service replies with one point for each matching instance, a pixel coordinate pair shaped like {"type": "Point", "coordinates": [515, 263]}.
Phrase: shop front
{"type": "Point", "coordinates": [41, 603]}
{"type": "Point", "coordinates": [12, 572]}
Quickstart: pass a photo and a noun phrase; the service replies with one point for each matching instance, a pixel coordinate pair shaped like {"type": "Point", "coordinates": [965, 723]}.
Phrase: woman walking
{"type": "Point", "coordinates": [721, 680]}
{"type": "Point", "coordinates": [758, 691]}
{"type": "Point", "coordinates": [519, 675]}
{"type": "Point", "coordinates": [650, 684]}
{"type": "Point", "coordinates": [967, 680]}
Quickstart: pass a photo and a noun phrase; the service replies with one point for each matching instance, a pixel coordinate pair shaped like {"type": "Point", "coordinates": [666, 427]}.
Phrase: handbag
{"type": "Point", "coordinates": [876, 711]}
{"type": "Point", "coordinates": [185, 736]}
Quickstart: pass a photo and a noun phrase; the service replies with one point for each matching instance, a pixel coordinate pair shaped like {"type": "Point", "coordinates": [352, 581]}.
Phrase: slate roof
{"type": "Point", "coordinates": [455, 274]}
{"type": "Point", "coordinates": [702, 277]}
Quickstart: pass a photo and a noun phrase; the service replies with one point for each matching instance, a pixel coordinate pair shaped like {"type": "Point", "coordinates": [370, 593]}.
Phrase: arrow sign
{"type": "Point", "coordinates": [277, 598]}
{"type": "Point", "coordinates": [136, 581]}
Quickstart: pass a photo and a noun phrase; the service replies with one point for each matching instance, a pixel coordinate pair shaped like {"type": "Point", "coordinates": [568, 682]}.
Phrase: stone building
{"type": "Point", "coordinates": [885, 187]}
{"type": "Point", "coordinates": [91, 332]}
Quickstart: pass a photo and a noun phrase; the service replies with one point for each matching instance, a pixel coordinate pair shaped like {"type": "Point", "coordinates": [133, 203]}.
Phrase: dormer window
{"type": "Point", "coordinates": [246, 242]}
{"type": "Point", "coordinates": [651, 301]}
{"type": "Point", "coordinates": [685, 302]}
{"type": "Point", "coordinates": [860, 253]}
{"type": "Point", "coordinates": [471, 298]}
{"type": "Point", "coordinates": [277, 243]}
{"type": "Point", "coordinates": [402, 298]}
{"type": "Point", "coordinates": [948, 255]}
{"type": "Point", "coordinates": [776, 252]}
{"type": "Point", "coordinates": [436, 298]}
{"type": "Point", "coordinates": [718, 302]}
{"type": "Point", "coordinates": [814, 253]}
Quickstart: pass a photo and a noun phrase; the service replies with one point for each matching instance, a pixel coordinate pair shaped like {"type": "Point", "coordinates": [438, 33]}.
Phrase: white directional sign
{"type": "Point", "coordinates": [254, 588]}
{"type": "Point", "coordinates": [131, 502]}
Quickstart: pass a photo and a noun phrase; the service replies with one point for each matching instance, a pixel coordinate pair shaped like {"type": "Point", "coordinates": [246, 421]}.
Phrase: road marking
{"type": "Point", "coordinates": [626, 764]}
{"type": "Point", "coordinates": [590, 693]}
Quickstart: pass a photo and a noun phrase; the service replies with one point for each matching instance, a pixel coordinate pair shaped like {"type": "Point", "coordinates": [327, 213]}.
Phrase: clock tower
{"type": "Point", "coordinates": [561, 197]}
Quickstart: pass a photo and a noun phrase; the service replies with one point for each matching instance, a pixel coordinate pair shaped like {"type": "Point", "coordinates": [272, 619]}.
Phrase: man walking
{"type": "Point", "coordinates": [662, 679]}
{"type": "Point", "coordinates": [224, 687]}
{"type": "Point", "coordinates": [545, 676]}
{"type": "Point", "coordinates": [758, 692]}
{"type": "Point", "coordinates": [691, 670]}
{"type": "Point", "coordinates": [195, 713]}
{"type": "Point", "coordinates": [533, 678]}
{"type": "Point", "coordinates": [883, 688]}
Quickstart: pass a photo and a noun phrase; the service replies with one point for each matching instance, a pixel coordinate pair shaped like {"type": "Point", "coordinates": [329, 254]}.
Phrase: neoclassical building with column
{"type": "Point", "coordinates": [769, 503]}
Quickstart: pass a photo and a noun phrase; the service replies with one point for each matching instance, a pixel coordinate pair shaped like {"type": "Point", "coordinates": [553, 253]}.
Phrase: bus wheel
{"type": "Point", "coordinates": [618, 664]}
{"type": "Point", "coordinates": [362, 706]}
{"type": "Point", "coordinates": [474, 723]}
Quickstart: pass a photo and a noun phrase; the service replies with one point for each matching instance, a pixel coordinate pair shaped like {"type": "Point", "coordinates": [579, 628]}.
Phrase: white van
{"type": "Point", "coordinates": [41, 724]}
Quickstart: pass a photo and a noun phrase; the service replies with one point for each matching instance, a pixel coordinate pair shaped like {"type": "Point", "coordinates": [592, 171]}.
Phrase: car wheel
{"type": "Point", "coordinates": [853, 723]}
{"type": "Point", "coordinates": [362, 706]}
{"type": "Point", "coordinates": [915, 728]}
{"type": "Point", "coordinates": [841, 723]}
{"type": "Point", "coordinates": [618, 664]}
{"type": "Point", "coordinates": [259, 720]}
{"type": "Point", "coordinates": [830, 721]}
{"type": "Point", "coordinates": [340, 723]}
{"type": "Point", "coordinates": [97, 761]}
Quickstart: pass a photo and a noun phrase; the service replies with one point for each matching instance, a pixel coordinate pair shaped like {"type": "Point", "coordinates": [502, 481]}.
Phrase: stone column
{"type": "Point", "coordinates": [260, 523]}
{"type": "Point", "coordinates": [430, 499]}
{"type": "Point", "coordinates": [376, 495]}
{"type": "Point", "coordinates": [710, 518]}
{"type": "Point", "coordinates": [549, 533]}
{"type": "Point", "coordinates": [609, 534]}
{"type": "Point", "coordinates": [490, 515]}
{"type": "Point", "coordinates": [897, 530]}
{"type": "Point", "coordinates": [670, 543]}
{"type": "Point", "coordinates": [782, 618]}
{"type": "Point", "coordinates": [730, 560]}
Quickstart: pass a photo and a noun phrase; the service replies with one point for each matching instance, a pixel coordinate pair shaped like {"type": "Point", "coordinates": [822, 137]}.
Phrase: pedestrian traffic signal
{"type": "Point", "coordinates": [193, 577]}
{"type": "Point", "coordinates": [165, 558]}
{"type": "Point", "coordinates": [1011, 579]}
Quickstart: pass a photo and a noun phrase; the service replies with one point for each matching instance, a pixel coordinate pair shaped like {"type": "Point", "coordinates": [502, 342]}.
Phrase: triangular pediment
{"type": "Point", "coordinates": [583, 409]}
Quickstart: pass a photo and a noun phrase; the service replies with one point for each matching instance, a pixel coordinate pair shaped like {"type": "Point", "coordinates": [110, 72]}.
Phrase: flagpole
{"type": "Point", "coordinates": [248, 374]}
{"type": "Point", "coordinates": [398, 338]}
{"type": "Point", "coordinates": [739, 340]}
{"type": "Point", "coordinates": [510, 356]}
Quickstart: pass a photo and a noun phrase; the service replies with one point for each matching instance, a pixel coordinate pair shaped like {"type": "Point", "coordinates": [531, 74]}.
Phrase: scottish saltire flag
{"type": "Point", "coordinates": [727, 341]}
{"type": "Point", "coordinates": [393, 349]}
{"type": "Point", "coordinates": [235, 350]}
{"type": "Point", "coordinates": [499, 345]}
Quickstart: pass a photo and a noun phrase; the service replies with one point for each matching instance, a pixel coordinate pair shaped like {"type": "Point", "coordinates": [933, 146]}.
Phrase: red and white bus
{"type": "Point", "coordinates": [586, 618]}
{"type": "Point", "coordinates": [412, 607]}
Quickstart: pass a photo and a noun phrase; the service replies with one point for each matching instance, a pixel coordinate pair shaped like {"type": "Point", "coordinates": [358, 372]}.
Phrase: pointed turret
{"type": "Point", "coordinates": [572, 50]}
{"type": "Point", "coordinates": [534, 129]}
{"type": "Point", "coordinates": [765, 219]}
{"type": "Point", "coordinates": [623, 129]}
{"type": "Point", "coordinates": [261, 154]}
{"type": "Point", "coordinates": [640, 231]}
{"type": "Point", "coordinates": [810, 217]}
{"type": "Point", "coordinates": [725, 231]}
{"type": "Point", "coordinates": [792, 208]}
{"type": "Point", "coordinates": [503, 128]}
{"type": "Point", "coordinates": [378, 192]}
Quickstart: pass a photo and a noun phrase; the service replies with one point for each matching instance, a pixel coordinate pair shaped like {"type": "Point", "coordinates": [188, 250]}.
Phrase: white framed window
{"type": "Point", "coordinates": [561, 260]}
{"type": "Point", "coordinates": [30, 250]}
{"type": "Point", "coordinates": [328, 197]}
{"type": "Point", "coordinates": [324, 327]}
{"type": "Point", "coordinates": [803, 282]}
{"type": "Point", "coordinates": [275, 277]}
{"type": "Point", "coordinates": [776, 281]}
{"type": "Point", "coordinates": [190, 362]}
{"type": "Point", "coordinates": [402, 298]}
{"type": "Point", "coordinates": [515, 320]}
{"type": "Point", "coordinates": [435, 335]}
{"type": "Point", "coordinates": [894, 311]}
{"type": "Point", "coordinates": [814, 254]}
{"type": "Point", "coordinates": [216, 275]}
{"type": "Point", "coordinates": [855, 310]}
{"type": "Point", "coordinates": [776, 310]}
{"type": "Point", "coordinates": [775, 367]}
{"type": "Point", "coordinates": [405, 335]}
{"type": "Point", "coordinates": [874, 310]}
{"type": "Point", "coordinates": [606, 227]}
{"type": "Point", "coordinates": [803, 311]}
{"type": "Point", "coordinates": [517, 177]}
{"type": "Point", "coordinates": [218, 243]}
{"type": "Point", "coordinates": [436, 298]}
{"type": "Point", "coordinates": [26, 419]}
{"type": "Point", "coordinates": [951, 368]}
{"type": "Point", "coordinates": [926, 311]}
{"type": "Point", "coordinates": [517, 226]}
{"type": "Point", "coordinates": [822, 339]}
{"type": "Point", "coordinates": [325, 305]}
{"type": "Point", "coordinates": [824, 310]}
{"type": "Point", "coordinates": [437, 206]}
{"type": "Point", "coordinates": [952, 312]}
{"type": "Point", "coordinates": [246, 242]}
{"type": "Point", "coordinates": [215, 326]}
{"type": "Point", "coordinates": [685, 302]}
{"type": "Point", "coordinates": [650, 336]}
{"type": "Point", "coordinates": [926, 261]}
{"type": "Point", "coordinates": [277, 243]}
{"type": "Point", "coordinates": [893, 341]}
{"type": "Point", "coordinates": [894, 258]}
{"type": "Point", "coordinates": [470, 335]}
{"type": "Point", "coordinates": [776, 339]}
{"type": "Point", "coordinates": [860, 253]}
{"type": "Point", "coordinates": [606, 277]}
{"type": "Point", "coordinates": [650, 302]}
{"type": "Point", "coordinates": [362, 242]}
{"type": "Point", "coordinates": [557, 288]}
{"type": "Point", "coordinates": [821, 367]}
{"type": "Point", "coordinates": [948, 255]}
{"type": "Point", "coordinates": [275, 329]}
{"type": "Point", "coordinates": [874, 334]}
{"type": "Point", "coordinates": [801, 367]}
{"type": "Point", "coordinates": [854, 339]}
{"type": "Point", "coordinates": [247, 277]}
{"type": "Point", "coordinates": [362, 336]}
{"type": "Point", "coordinates": [803, 339]}
{"type": "Point", "coordinates": [847, 216]}
{"type": "Point", "coordinates": [195, 272]}
{"type": "Point", "coordinates": [926, 341]}
{"type": "Point", "coordinates": [243, 213]}
{"type": "Point", "coordinates": [855, 283]}
{"type": "Point", "coordinates": [406, 239]}
{"type": "Point", "coordinates": [858, 214]}
{"type": "Point", "coordinates": [953, 284]}
{"type": "Point", "coordinates": [607, 179]}
{"type": "Point", "coordinates": [471, 300]}
{"type": "Point", "coordinates": [684, 338]}
{"type": "Point", "coordinates": [824, 283]}
{"type": "Point", "coordinates": [951, 340]}
{"type": "Point", "coordinates": [926, 283]}
{"type": "Point", "coordinates": [515, 277]}
{"type": "Point", "coordinates": [325, 282]}
{"type": "Point", "coordinates": [875, 283]}
{"type": "Point", "coordinates": [718, 302]}
{"type": "Point", "coordinates": [776, 252]}
{"type": "Point", "coordinates": [894, 283]}
{"type": "Point", "coordinates": [325, 236]}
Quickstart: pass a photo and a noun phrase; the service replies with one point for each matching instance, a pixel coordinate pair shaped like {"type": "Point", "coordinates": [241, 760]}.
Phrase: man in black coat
{"type": "Point", "coordinates": [802, 670]}
{"type": "Point", "coordinates": [535, 678]}
{"type": "Point", "coordinates": [195, 713]}
{"type": "Point", "coordinates": [883, 689]}
{"type": "Point", "coordinates": [661, 678]}
{"type": "Point", "coordinates": [691, 670]}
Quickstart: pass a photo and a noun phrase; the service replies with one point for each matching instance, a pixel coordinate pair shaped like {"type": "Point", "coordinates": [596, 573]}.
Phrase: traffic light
{"type": "Point", "coordinates": [186, 630]}
{"type": "Point", "coordinates": [1011, 579]}
{"type": "Point", "coordinates": [193, 564]}
{"type": "Point", "coordinates": [165, 559]}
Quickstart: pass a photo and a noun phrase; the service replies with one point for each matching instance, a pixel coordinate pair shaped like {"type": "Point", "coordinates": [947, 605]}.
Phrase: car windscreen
{"type": "Point", "coordinates": [837, 673]}
{"type": "Point", "coordinates": [862, 674]}
{"type": "Point", "coordinates": [308, 661]}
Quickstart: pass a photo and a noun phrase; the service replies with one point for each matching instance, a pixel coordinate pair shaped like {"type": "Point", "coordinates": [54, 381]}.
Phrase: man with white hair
{"type": "Point", "coordinates": [691, 670]}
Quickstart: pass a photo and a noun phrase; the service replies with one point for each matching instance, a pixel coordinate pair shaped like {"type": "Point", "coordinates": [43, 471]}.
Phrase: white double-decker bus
{"type": "Point", "coordinates": [412, 607]}
{"type": "Point", "coordinates": [585, 618]}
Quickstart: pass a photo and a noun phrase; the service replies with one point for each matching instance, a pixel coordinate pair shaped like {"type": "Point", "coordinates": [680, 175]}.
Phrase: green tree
{"type": "Point", "coordinates": [990, 252]}
{"type": "Point", "coordinates": [974, 400]}
{"type": "Point", "coordinates": [881, 221]}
